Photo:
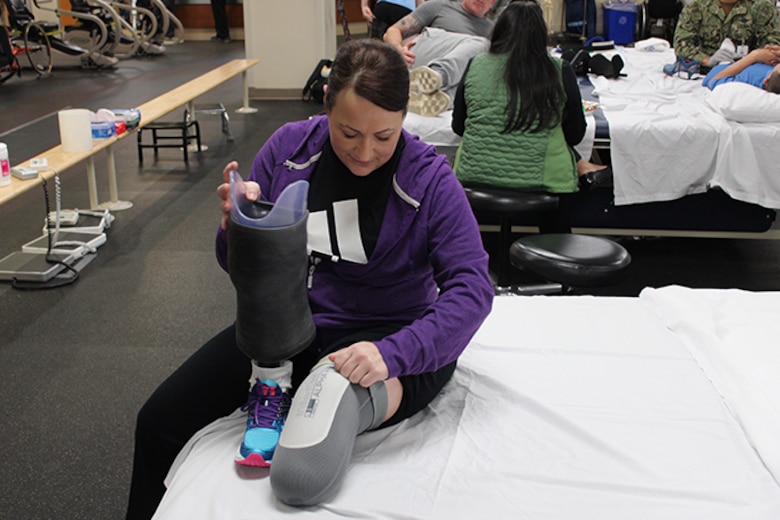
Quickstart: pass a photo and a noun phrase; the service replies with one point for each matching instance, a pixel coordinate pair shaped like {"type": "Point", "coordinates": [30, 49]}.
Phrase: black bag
{"type": "Point", "coordinates": [314, 88]}
{"type": "Point", "coordinates": [600, 65]}
{"type": "Point", "coordinates": [583, 63]}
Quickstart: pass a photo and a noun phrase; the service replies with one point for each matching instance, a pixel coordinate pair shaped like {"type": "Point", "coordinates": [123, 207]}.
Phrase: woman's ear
{"type": "Point", "coordinates": [325, 97]}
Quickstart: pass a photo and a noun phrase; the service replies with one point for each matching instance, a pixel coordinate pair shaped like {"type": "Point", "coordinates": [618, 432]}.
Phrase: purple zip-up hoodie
{"type": "Point", "coordinates": [428, 268]}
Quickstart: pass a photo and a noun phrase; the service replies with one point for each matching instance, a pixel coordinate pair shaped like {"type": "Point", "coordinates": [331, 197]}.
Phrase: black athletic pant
{"type": "Point", "coordinates": [169, 4]}
{"type": "Point", "coordinates": [213, 383]}
{"type": "Point", "coordinates": [219, 10]}
{"type": "Point", "coordinates": [385, 15]}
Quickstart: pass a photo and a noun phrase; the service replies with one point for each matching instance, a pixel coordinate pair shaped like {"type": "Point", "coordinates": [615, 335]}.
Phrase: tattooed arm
{"type": "Point", "coordinates": [404, 28]}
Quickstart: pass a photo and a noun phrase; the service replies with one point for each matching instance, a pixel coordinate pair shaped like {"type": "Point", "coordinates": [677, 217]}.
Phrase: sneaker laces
{"type": "Point", "coordinates": [266, 403]}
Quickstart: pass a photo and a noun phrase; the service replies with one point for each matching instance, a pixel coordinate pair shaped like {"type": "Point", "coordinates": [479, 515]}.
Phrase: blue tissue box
{"type": "Point", "coordinates": [103, 129]}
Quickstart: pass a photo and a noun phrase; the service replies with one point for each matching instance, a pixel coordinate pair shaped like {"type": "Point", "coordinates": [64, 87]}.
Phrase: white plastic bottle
{"type": "Point", "coordinates": [5, 166]}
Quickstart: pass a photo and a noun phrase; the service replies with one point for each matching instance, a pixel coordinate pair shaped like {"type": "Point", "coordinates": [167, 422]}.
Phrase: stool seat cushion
{"type": "Point", "coordinates": [571, 260]}
{"type": "Point", "coordinates": [501, 201]}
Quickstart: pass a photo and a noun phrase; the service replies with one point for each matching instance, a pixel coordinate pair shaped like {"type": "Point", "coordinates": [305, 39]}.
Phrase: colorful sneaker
{"type": "Point", "coordinates": [424, 80]}
{"type": "Point", "coordinates": [429, 105]}
{"type": "Point", "coordinates": [267, 406]}
{"type": "Point", "coordinates": [685, 68]}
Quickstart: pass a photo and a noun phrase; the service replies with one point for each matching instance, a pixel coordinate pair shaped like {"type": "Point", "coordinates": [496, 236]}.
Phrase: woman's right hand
{"type": "Point", "coordinates": [223, 192]}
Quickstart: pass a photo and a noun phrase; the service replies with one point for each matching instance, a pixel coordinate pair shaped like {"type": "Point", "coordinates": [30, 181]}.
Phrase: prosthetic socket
{"type": "Point", "coordinates": [268, 263]}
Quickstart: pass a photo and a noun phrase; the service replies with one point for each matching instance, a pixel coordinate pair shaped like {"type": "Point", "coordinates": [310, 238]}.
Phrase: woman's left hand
{"type": "Point", "coordinates": [361, 363]}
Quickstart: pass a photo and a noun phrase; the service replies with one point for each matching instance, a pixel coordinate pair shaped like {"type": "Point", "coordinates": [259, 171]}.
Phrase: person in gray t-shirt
{"type": "Point", "coordinates": [437, 40]}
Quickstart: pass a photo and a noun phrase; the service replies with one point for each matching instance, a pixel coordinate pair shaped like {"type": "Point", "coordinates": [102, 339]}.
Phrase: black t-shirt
{"type": "Point", "coordinates": [346, 211]}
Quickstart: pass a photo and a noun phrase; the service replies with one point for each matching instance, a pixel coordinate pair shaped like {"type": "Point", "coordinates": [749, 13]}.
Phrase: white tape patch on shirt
{"type": "Point", "coordinates": [318, 234]}
{"type": "Point", "coordinates": [347, 219]}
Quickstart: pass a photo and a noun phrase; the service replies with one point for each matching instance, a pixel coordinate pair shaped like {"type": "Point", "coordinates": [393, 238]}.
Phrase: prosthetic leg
{"type": "Point", "coordinates": [268, 262]}
{"type": "Point", "coordinates": [315, 447]}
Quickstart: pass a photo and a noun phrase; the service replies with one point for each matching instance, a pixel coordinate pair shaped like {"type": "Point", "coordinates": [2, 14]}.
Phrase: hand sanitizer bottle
{"type": "Point", "coordinates": [5, 166]}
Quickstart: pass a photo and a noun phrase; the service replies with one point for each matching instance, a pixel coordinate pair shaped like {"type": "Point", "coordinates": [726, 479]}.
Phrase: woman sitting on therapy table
{"type": "Point", "coordinates": [398, 283]}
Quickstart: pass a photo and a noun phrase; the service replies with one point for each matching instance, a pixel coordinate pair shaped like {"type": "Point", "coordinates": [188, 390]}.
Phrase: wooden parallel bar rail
{"type": "Point", "coordinates": [59, 160]}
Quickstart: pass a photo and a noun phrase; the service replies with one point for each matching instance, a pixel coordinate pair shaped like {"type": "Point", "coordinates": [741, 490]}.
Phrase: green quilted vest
{"type": "Point", "coordinates": [525, 161]}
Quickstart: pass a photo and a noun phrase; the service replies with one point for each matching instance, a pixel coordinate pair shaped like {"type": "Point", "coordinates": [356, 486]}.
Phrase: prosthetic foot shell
{"type": "Point", "coordinates": [268, 267]}
{"type": "Point", "coordinates": [316, 445]}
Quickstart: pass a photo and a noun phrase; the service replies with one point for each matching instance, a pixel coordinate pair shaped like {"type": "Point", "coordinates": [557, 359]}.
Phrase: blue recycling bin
{"type": "Point", "coordinates": [620, 21]}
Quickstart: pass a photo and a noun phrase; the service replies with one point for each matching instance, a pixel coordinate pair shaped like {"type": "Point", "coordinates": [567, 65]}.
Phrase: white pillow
{"type": "Point", "coordinates": [745, 103]}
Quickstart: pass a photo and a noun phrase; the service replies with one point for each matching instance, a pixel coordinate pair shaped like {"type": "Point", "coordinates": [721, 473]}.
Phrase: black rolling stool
{"type": "Point", "coordinates": [563, 260]}
{"type": "Point", "coordinates": [507, 205]}
{"type": "Point", "coordinates": [567, 261]}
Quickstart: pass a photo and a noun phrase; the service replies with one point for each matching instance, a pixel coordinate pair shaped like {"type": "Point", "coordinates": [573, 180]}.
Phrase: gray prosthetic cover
{"type": "Point", "coordinates": [315, 447]}
{"type": "Point", "coordinates": [268, 262]}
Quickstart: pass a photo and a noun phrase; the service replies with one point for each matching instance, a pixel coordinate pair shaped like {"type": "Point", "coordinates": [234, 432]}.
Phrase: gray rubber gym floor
{"type": "Point", "coordinates": [77, 362]}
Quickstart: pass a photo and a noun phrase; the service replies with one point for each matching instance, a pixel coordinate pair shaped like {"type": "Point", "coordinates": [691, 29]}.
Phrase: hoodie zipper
{"type": "Point", "coordinates": [298, 166]}
{"type": "Point", "coordinates": [313, 261]}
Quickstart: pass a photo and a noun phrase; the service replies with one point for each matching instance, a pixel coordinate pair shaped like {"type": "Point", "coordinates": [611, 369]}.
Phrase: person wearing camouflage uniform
{"type": "Point", "coordinates": [704, 24]}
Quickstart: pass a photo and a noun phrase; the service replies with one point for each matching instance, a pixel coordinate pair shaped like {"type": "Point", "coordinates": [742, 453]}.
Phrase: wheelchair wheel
{"type": "Point", "coordinates": [38, 48]}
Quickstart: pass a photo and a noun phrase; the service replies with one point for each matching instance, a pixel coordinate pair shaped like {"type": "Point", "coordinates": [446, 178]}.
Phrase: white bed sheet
{"type": "Point", "coordinates": [733, 336]}
{"type": "Point", "coordinates": [561, 408]}
{"type": "Point", "coordinates": [433, 130]}
{"type": "Point", "coordinates": [668, 142]}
